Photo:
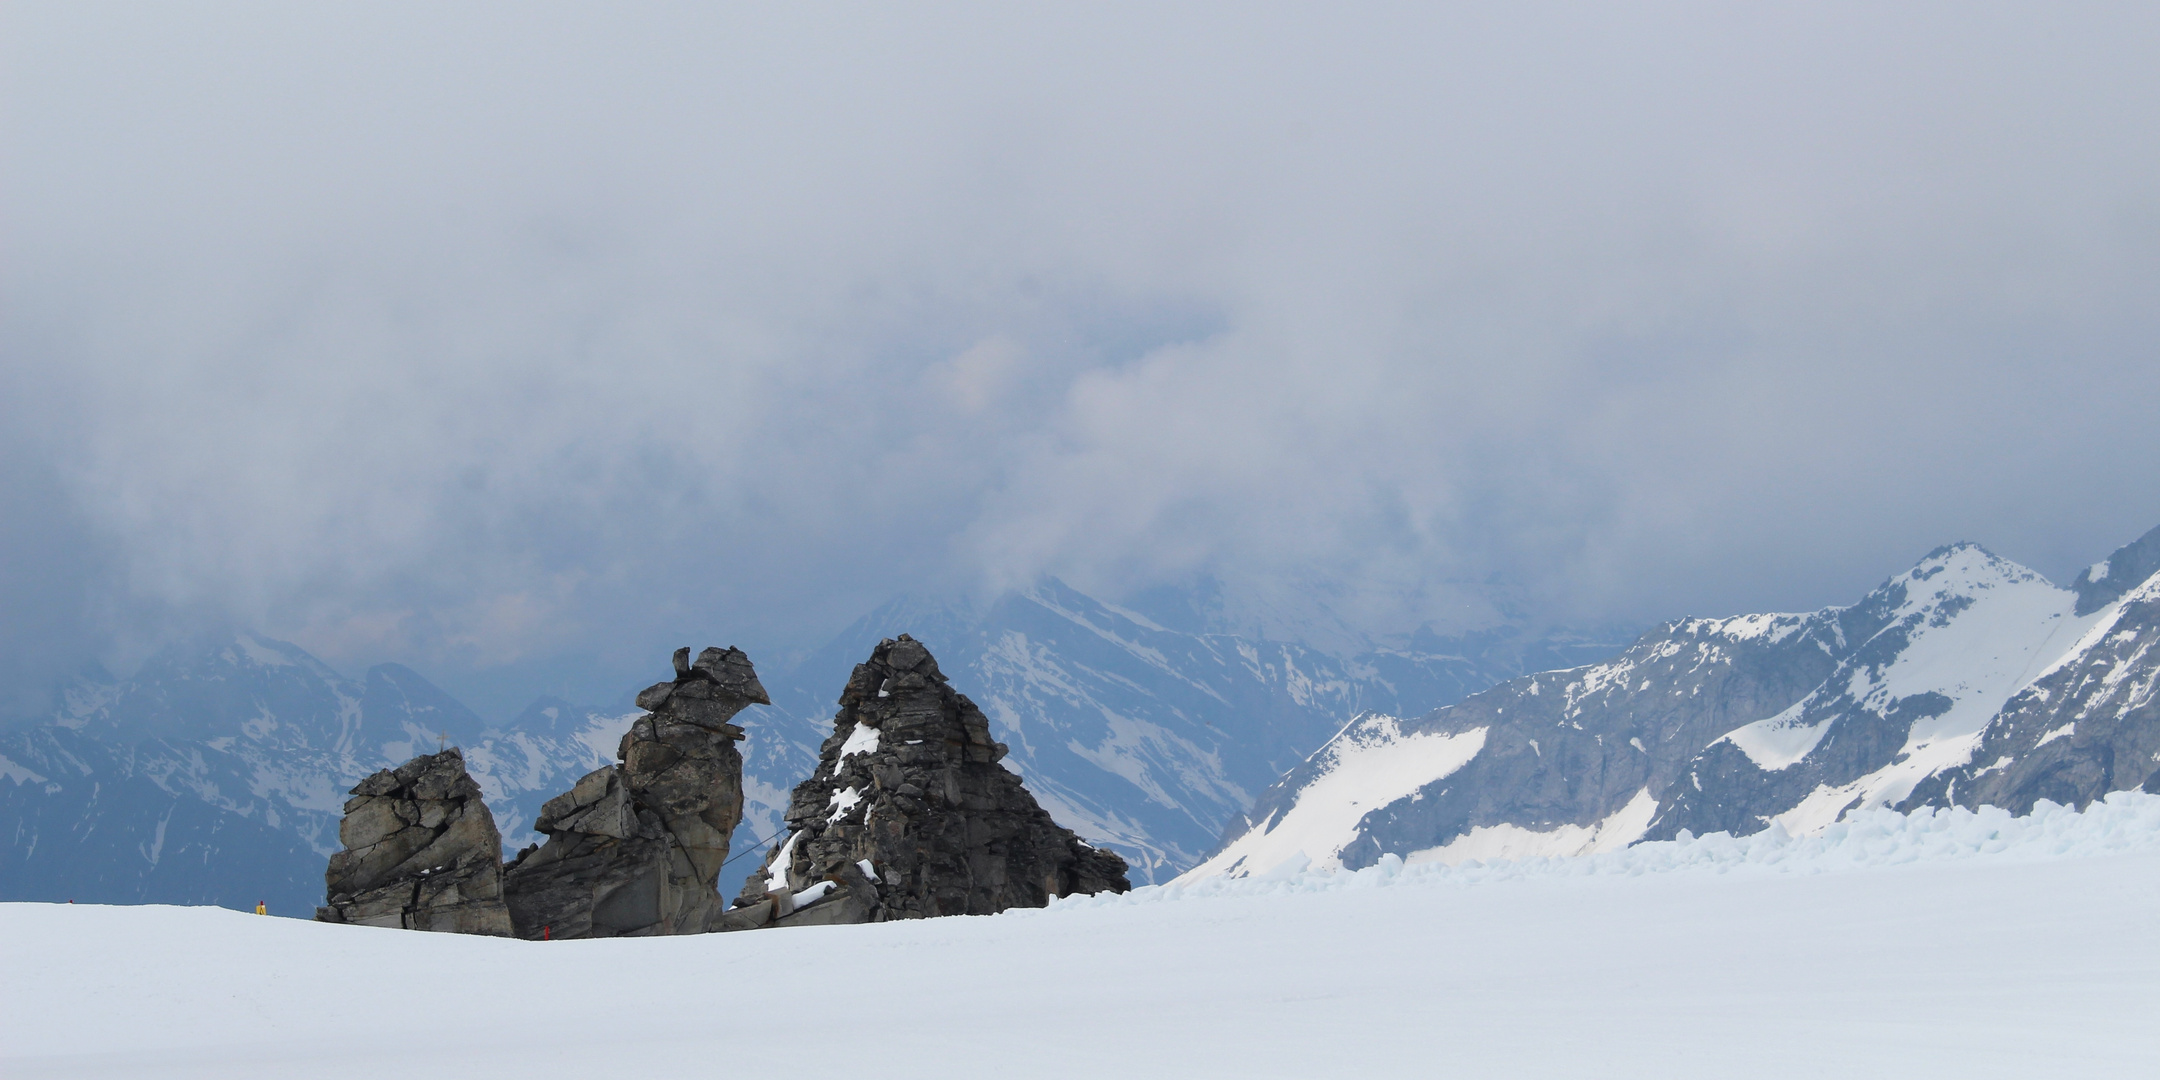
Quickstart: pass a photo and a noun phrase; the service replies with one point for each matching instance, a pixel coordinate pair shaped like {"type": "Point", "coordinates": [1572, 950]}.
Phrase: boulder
{"type": "Point", "coordinates": [421, 852]}
{"type": "Point", "coordinates": [911, 815]}
{"type": "Point", "coordinates": [635, 848]}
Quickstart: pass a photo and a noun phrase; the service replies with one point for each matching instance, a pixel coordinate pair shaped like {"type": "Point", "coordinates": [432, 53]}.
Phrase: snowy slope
{"type": "Point", "coordinates": [1729, 725]}
{"type": "Point", "coordinates": [1929, 947]}
{"type": "Point", "coordinates": [2089, 723]}
{"type": "Point", "coordinates": [1368, 765]}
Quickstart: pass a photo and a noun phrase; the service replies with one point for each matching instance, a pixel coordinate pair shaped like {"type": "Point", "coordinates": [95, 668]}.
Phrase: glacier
{"type": "Point", "coordinates": [1974, 944]}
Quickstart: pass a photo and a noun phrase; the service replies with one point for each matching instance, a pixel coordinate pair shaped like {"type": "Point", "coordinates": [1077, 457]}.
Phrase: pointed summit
{"type": "Point", "coordinates": [909, 815]}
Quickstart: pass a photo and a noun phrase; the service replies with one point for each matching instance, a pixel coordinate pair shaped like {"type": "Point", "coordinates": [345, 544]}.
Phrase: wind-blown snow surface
{"type": "Point", "coordinates": [1945, 944]}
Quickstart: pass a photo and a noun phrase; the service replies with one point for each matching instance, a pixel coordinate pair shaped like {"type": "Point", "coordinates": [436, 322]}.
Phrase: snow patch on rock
{"type": "Point", "coordinates": [1782, 740]}
{"type": "Point", "coordinates": [1489, 842]}
{"type": "Point", "coordinates": [862, 740]}
{"type": "Point", "coordinates": [17, 773]}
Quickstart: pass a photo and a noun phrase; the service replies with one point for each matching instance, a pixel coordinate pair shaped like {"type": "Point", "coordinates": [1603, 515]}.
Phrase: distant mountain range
{"type": "Point", "coordinates": [1965, 680]}
{"type": "Point", "coordinates": [216, 773]}
{"type": "Point", "coordinates": [1139, 736]}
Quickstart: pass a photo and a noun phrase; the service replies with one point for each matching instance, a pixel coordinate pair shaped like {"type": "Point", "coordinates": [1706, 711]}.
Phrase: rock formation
{"type": "Point", "coordinates": [635, 849]}
{"type": "Point", "coordinates": [910, 815]}
{"type": "Point", "coordinates": [421, 852]}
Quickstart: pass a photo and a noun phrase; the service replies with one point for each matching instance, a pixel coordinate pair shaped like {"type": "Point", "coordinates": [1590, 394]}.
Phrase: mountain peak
{"type": "Point", "coordinates": [1957, 570]}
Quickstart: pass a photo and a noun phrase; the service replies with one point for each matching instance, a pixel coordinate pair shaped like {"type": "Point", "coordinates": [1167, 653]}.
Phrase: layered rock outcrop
{"type": "Point", "coordinates": [635, 849]}
{"type": "Point", "coordinates": [421, 852]}
{"type": "Point", "coordinates": [910, 815]}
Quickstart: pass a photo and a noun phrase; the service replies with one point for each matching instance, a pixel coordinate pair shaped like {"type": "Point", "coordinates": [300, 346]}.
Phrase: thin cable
{"type": "Point", "coordinates": [757, 846]}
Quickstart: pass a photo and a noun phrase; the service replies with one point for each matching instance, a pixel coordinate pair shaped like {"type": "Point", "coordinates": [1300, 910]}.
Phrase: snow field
{"type": "Point", "coordinates": [2127, 821]}
{"type": "Point", "coordinates": [1973, 945]}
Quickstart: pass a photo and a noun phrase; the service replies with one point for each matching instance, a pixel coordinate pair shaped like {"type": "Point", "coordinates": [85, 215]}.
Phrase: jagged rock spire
{"type": "Point", "coordinates": [910, 815]}
{"type": "Point", "coordinates": [421, 852]}
{"type": "Point", "coordinates": [635, 849]}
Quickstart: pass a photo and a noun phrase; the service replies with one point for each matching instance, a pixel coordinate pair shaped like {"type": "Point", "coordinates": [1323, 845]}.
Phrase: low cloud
{"type": "Point", "coordinates": [525, 335]}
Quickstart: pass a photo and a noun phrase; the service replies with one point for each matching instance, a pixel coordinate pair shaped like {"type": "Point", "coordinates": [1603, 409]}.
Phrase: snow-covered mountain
{"type": "Point", "coordinates": [216, 773]}
{"type": "Point", "coordinates": [2087, 723]}
{"type": "Point", "coordinates": [1966, 680]}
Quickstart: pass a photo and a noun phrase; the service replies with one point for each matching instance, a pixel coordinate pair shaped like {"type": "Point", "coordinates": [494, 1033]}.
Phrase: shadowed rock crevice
{"type": "Point", "coordinates": [910, 815]}
{"type": "Point", "coordinates": [421, 852]}
{"type": "Point", "coordinates": [635, 848]}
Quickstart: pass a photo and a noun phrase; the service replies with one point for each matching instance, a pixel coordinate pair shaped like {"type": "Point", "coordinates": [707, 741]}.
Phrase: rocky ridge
{"type": "Point", "coordinates": [910, 814]}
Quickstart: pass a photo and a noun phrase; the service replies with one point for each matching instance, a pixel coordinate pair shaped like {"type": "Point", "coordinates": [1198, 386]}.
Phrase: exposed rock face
{"type": "Point", "coordinates": [635, 849]}
{"type": "Point", "coordinates": [421, 852]}
{"type": "Point", "coordinates": [909, 815]}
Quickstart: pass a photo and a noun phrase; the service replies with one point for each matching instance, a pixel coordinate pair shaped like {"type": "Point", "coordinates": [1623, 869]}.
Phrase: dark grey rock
{"type": "Point", "coordinates": [910, 815]}
{"type": "Point", "coordinates": [421, 852]}
{"type": "Point", "coordinates": [635, 848]}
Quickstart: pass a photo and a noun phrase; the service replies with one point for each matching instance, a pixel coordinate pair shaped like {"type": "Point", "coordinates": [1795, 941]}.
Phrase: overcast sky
{"type": "Point", "coordinates": [518, 342]}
